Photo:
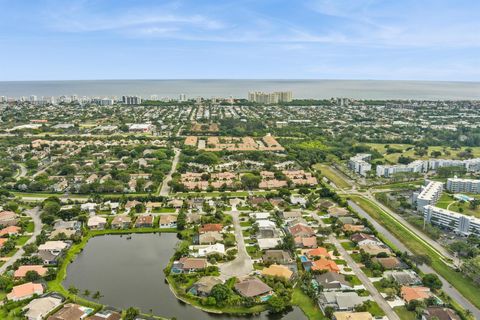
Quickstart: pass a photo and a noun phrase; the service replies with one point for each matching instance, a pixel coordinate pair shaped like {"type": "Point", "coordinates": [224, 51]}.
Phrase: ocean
{"type": "Point", "coordinates": [317, 89]}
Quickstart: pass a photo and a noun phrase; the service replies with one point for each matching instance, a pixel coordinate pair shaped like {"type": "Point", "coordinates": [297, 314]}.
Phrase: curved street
{"type": "Point", "coordinates": [35, 215]}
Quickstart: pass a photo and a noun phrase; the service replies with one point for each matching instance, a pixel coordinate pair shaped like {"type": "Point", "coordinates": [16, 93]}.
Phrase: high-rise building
{"type": "Point", "coordinates": [131, 100]}
{"type": "Point", "coordinates": [457, 222]}
{"type": "Point", "coordinates": [3, 99]}
{"type": "Point", "coordinates": [33, 98]}
{"type": "Point", "coordinates": [183, 97]}
{"type": "Point", "coordinates": [270, 97]}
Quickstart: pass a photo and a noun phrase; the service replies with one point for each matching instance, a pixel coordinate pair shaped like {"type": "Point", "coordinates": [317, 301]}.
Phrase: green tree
{"type": "Point", "coordinates": [432, 281]}
{"type": "Point", "coordinates": [131, 313]}
{"type": "Point", "coordinates": [276, 304]}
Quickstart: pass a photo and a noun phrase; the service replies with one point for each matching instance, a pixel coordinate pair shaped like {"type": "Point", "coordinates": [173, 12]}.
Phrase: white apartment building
{"type": "Point", "coordinates": [359, 164]}
{"type": "Point", "coordinates": [429, 194]}
{"type": "Point", "coordinates": [270, 97]}
{"type": "Point", "coordinates": [463, 185]}
{"type": "Point", "coordinates": [471, 165]}
{"type": "Point", "coordinates": [460, 223]}
{"type": "Point", "coordinates": [417, 166]}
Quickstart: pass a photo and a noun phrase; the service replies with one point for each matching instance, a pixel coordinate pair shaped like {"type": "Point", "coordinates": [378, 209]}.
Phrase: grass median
{"type": "Point", "coordinates": [331, 175]}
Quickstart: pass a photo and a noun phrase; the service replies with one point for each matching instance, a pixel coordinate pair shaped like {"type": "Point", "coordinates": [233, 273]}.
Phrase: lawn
{"type": "Point", "coordinates": [447, 201]}
{"type": "Point", "coordinates": [332, 175]}
{"type": "Point", "coordinates": [375, 309]}
{"type": "Point", "coordinates": [419, 247]}
{"type": "Point", "coordinates": [348, 245]}
{"type": "Point", "coordinates": [404, 314]}
{"type": "Point", "coordinates": [307, 305]}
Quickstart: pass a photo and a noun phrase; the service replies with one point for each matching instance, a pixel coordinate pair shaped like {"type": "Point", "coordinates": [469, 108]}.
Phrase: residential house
{"type": "Point", "coordinates": [37, 309]}
{"type": "Point", "coordinates": [404, 277]}
{"type": "Point", "coordinates": [210, 227]}
{"type": "Point", "coordinates": [131, 205]}
{"type": "Point", "coordinates": [439, 313]}
{"type": "Point", "coordinates": [187, 265]}
{"type": "Point", "coordinates": [277, 256]}
{"type": "Point", "coordinates": [25, 291]}
{"type": "Point", "coordinates": [121, 222]}
{"type": "Point", "coordinates": [319, 252]}
{"type": "Point", "coordinates": [338, 211]}
{"type": "Point", "coordinates": [71, 311]}
{"type": "Point", "coordinates": [364, 238]}
{"type": "Point", "coordinates": [325, 264]}
{"type": "Point", "coordinates": [279, 271]}
{"type": "Point", "coordinates": [353, 227]}
{"type": "Point", "coordinates": [22, 270]}
{"type": "Point", "coordinates": [97, 223]}
{"type": "Point", "coordinates": [390, 263]}
{"type": "Point", "coordinates": [345, 315]}
{"type": "Point", "coordinates": [290, 215]}
{"type": "Point", "coordinates": [205, 251]}
{"type": "Point", "coordinates": [252, 287]}
{"type": "Point", "coordinates": [144, 221]}
{"type": "Point", "coordinates": [333, 281]}
{"type": "Point", "coordinates": [306, 242]}
{"type": "Point", "coordinates": [203, 287]}
{"type": "Point", "coordinates": [105, 315]}
{"type": "Point", "coordinates": [268, 243]}
{"type": "Point", "coordinates": [415, 293]}
{"type": "Point", "coordinates": [300, 230]}
{"type": "Point", "coordinates": [210, 237]}
{"type": "Point", "coordinates": [168, 221]}
{"type": "Point", "coordinates": [8, 218]}
{"type": "Point", "coordinates": [10, 231]}
{"type": "Point", "coordinates": [375, 249]}
{"type": "Point", "coordinates": [343, 301]}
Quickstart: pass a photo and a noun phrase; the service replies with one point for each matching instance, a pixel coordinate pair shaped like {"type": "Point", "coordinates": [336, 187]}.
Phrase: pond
{"type": "Point", "coordinates": [129, 273]}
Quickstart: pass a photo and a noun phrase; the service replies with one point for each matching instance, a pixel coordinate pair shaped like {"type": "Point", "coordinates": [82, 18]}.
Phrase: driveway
{"type": "Point", "coordinates": [242, 265]}
{"type": "Point", "coordinates": [35, 215]}
{"type": "Point", "coordinates": [165, 189]}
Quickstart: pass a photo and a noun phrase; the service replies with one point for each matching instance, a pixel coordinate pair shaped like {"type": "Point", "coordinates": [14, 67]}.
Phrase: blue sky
{"type": "Point", "coordinates": [312, 39]}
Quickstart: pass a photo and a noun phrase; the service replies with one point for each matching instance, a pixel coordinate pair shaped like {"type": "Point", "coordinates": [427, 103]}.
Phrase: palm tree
{"type": "Point", "coordinates": [86, 293]}
{"type": "Point", "coordinates": [97, 295]}
{"type": "Point", "coordinates": [73, 290]}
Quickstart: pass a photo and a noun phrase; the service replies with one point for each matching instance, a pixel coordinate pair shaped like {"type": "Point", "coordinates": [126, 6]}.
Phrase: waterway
{"type": "Point", "coordinates": [129, 273]}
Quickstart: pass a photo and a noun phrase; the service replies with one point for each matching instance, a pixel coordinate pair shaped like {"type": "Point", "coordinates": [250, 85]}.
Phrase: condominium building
{"type": "Point", "coordinates": [471, 165]}
{"type": "Point", "coordinates": [417, 166]}
{"type": "Point", "coordinates": [429, 194]}
{"type": "Point", "coordinates": [422, 166]}
{"type": "Point", "coordinates": [359, 163]}
{"type": "Point", "coordinates": [270, 97]}
{"type": "Point", "coordinates": [457, 222]}
{"type": "Point", "coordinates": [463, 185]}
{"type": "Point", "coordinates": [131, 100]}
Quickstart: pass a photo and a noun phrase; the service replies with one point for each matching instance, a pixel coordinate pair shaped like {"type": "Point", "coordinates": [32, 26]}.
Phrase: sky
{"type": "Point", "coordinates": [242, 39]}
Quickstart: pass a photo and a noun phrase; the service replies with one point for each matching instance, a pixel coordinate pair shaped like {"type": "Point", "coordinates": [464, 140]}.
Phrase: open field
{"type": "Point", "coordinates": [447, 152]}
{"type": "Point", "coordinates": [419, 247]}
{"type": "Point", "coordinates": [331, 175]}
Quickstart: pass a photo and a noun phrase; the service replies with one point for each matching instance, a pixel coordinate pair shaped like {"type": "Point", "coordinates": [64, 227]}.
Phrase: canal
{"type": "Point", "coordinates": [129, 273]}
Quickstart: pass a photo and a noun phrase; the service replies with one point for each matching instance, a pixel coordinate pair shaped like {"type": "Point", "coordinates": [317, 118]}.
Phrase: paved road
{"type": "Point", "coordinates": [382, 303]}
{"type": "Point", "coordinates": [165, 189]}
{"type": "Point", "coordinates": [22, 173]}
{"type": "Point", "coordinates": [450, 290]}
{"type": "Point", "coordinates": [407, 224]}
{"type": "Point", "coordinates": [35, 215]}
{"type": "Point", "coordinates": [242, 265]}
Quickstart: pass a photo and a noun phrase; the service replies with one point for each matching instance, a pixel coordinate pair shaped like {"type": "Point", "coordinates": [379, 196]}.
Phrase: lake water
{"type": "Point", "coordinates": [130, 273]}
{"type": "Point", "coordinates": [318, 89]}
